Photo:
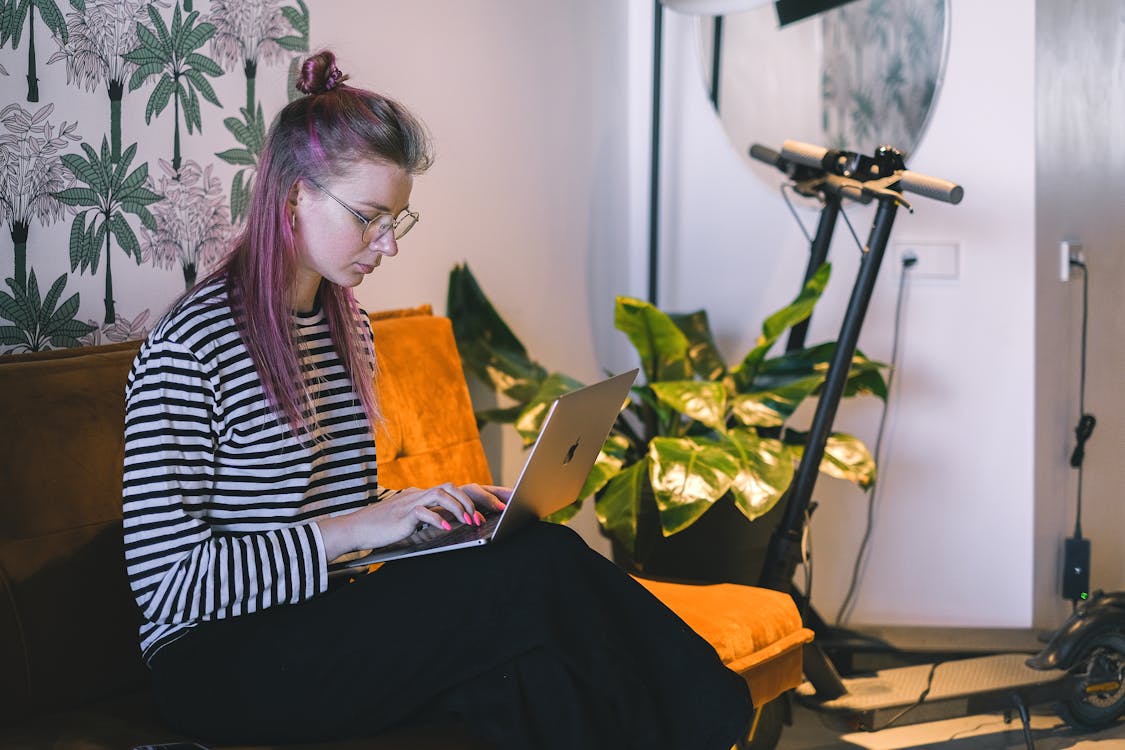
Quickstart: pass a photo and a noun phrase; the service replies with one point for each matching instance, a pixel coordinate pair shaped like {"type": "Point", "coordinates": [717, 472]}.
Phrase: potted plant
{"type": "Point", "coordinates": [694, 435]}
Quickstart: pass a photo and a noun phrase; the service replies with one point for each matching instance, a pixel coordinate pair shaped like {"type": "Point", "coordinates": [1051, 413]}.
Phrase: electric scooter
{"type": "Point", "coordinates": [1082, 667]}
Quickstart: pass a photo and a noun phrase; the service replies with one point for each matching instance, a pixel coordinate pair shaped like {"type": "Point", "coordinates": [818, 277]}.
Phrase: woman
{"type": "Point", "coordinates": [250, 465]}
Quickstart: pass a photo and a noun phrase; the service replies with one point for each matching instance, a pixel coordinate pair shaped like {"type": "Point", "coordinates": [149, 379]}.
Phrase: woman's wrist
{"type": "Point", "coordinates": [337, 536]}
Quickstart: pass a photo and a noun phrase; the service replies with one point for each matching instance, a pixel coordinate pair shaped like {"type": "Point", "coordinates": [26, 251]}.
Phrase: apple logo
{"type": "Point", "coordinates": [570, 452]}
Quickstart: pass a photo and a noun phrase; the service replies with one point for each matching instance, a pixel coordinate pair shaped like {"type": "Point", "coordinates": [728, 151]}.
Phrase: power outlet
{"type": "Point", "coordinates": [1069, 251]}
{"type": "Point", "coordinates": [932, 260]}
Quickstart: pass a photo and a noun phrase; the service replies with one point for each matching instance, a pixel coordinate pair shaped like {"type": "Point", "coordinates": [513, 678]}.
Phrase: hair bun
{"type": "Point", "coordinates": [319, 74]}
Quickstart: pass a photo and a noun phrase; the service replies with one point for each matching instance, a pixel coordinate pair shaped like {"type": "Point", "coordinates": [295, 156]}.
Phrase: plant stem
{"type": "Point", "coordinates": [251, 69]}
{"type": "Point", "coordinates": [32, 73]}
{"type": "Point", "coordinates": [110, 315]}
{"type": "Point", "coordinates": [116, 91]}
{"type": "Point", "coordinates": [19, 238]}
{"type": "Point", "coordinates": [189, 275]}
{"type": "Point", "coordinates": [176, 121]}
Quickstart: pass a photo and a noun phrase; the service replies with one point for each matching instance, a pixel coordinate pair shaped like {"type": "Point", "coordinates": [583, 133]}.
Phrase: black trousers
{"type": "Point", "coordinates": [536, 642]}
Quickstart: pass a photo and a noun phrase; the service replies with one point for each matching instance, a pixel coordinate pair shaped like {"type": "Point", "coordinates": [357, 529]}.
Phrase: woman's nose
{"type": "Point", "coordinates": [386, 245]}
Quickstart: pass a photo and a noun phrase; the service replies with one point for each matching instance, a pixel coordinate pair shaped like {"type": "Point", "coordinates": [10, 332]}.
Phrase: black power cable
{"type": "Point", "coordinates": [908, 261]}
{"type": "Point", "coordinates": [1086, 421]}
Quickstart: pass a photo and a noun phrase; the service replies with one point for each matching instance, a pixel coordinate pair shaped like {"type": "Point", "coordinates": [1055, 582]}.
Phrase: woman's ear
{"type": "Point", "coordinates": [291, 203]}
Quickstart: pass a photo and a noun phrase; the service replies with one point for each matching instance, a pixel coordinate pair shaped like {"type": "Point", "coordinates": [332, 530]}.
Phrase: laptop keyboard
{"type": "Point", "coordinates": [461, 533]}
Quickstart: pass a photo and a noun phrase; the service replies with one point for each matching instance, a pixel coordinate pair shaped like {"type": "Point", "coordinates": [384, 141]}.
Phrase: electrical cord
{"type": "Point", "coordinates": [921, 698]}
{"type": "Point", "coordinates": [908, 261]}
{"type": "Point", "coordinates": [1086, 421]}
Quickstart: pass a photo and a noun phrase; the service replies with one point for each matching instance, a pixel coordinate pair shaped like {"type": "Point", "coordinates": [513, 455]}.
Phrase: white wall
{"type": "Point", "coordinates": [540, 111]}
{"type": "Point", "coordinates": [1080, 185]}
{"type": "Point", "coordinates": [953, 541]}
{"type": "Point", "coordinates": [527, 106]}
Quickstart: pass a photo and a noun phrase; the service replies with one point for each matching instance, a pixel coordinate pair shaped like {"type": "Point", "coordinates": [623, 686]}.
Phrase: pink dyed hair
{"type": "Point", "coordinates": [314, 137]}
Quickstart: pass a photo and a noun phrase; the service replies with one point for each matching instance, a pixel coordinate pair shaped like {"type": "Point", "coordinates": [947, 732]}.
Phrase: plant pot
{"type": "Point", "coordinates": [722, 546]}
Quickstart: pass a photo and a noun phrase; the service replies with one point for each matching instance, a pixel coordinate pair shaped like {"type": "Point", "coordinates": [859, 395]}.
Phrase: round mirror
{"type": "Point", "coordinates": [863, 75]}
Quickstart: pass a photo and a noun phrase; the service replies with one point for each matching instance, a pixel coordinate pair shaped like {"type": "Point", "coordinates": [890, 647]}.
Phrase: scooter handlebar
{"type": "Point", "coordinates": [931, 187]}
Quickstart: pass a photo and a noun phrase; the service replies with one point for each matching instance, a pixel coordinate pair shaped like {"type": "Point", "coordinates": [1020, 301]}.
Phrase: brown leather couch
{"type": "Point", "coordinates": [71, 676]}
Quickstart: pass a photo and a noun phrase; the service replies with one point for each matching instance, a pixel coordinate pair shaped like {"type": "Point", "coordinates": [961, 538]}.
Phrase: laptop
{"type": "Point", "coordinates": [572, 435]}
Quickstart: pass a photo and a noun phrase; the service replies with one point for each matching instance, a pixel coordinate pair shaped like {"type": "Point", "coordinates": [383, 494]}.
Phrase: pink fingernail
{"type": "Point", "coordinates": [466, 517]}
{"type": "Point", "coordinates": [445, 525]}
{"type": "Point", "coordinates": [479, 519]}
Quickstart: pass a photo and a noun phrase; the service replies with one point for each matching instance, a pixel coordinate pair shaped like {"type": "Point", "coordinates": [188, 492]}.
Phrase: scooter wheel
{"type": "Point", "coordinates": [1094, 693]}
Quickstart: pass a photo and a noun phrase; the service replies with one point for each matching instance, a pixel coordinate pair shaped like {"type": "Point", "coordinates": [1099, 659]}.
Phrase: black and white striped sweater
{"type": "Point", "coordinates": [220, 498]}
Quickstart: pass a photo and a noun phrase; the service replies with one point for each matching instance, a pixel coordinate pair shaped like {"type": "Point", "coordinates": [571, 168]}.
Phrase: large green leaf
{"type": "Point", "coordinates": [765, 472]}
{"type": "Point", "coordinates": [77, 196]}
{"type": "Point", "coordinates": [530, 420]}
{"type": "Point", "coordinates": [775, 325]}
{"type": "Point", "coordinates": [703, 353]}
{"type": "Point", "coordinates": [865, 375]}
{"type": "Point", "coordinates": [703, 401]}
{"type": "Point", "coordinates": [662, 346]}
{"type": "Point", "coordinates": [688, 475]}
{"type": "Point", "coordinates": [845, 456]}
{"type": "Point", "coordinates": [487, 345]}
{"type": "Point", "coordinates": [619, 505]}
{"type": "Point", "coordinates": [772, 407]}
{"type": "Point", "coordinates": [610, 462]}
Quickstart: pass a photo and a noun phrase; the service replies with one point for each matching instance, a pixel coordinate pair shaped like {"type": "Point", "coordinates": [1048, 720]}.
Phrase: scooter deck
{"type": "Point", "coordinates": [958, 688]}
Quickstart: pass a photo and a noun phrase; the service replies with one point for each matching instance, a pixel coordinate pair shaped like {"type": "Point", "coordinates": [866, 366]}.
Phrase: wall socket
{"type": "Point", "coordinates": [933, 260]}
{"type": "Point", "coordinates": [1069, 250]}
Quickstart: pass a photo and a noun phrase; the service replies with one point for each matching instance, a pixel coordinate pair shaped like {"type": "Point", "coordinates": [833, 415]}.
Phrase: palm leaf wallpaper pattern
{"type": "Point", "coordinates": [880, 72]}
{"type": "Point", "coordinates": [117, 202]}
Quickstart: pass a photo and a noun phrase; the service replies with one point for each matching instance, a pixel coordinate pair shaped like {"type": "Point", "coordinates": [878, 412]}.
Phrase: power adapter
{"type": "Point", "coordinates": [1076, 569]}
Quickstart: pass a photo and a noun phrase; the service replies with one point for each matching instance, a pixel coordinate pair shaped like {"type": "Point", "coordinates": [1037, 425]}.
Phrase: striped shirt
{"type": "Point", "coordinates": [220, 497]}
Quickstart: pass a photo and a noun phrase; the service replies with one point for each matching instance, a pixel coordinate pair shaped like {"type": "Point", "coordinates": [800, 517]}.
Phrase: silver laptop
{"type": "Point", "coordinates": [572, 435]}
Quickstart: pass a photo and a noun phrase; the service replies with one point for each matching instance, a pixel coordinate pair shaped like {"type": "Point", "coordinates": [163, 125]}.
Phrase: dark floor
{"type": "Point", "coordinates": [981, 732]}
{"type": "Point", "coordinates": [950, 729]}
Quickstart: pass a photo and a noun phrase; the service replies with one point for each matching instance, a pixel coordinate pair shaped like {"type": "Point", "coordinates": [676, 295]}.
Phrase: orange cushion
{"type": "Point", "coordinates": [429, 434]}
{"type": "Point", "coordinates": [756, 632]}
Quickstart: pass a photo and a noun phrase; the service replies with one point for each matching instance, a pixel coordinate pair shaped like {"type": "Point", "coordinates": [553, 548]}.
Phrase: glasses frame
{"type": "Point", "coordinates": [405, 214]}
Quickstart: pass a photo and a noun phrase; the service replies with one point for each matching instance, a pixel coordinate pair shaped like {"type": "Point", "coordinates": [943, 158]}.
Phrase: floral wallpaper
{"type": "Point", "coordinates": [129, 135]}
{"type": "Point", "coordinates": [880, 71]}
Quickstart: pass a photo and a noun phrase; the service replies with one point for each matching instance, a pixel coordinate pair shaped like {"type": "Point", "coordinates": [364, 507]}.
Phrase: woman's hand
{"type": "Point", "coordinates": [395, 518]}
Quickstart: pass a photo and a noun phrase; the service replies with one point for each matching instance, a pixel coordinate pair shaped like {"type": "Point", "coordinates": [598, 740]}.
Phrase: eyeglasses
{"type": "Point", "coordinates": [375, 228]}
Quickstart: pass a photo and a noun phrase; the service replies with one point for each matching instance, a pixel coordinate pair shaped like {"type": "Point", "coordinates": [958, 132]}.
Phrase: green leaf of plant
{"type": "Point", "coordinates": [203, 64]}
{"type": "Point", "coordinates": [866, 381]}
{"type": "Point", "coordinates": [845, 456]}
{"type": "Point", "coordinates": [488, 348]}
{"type": "Point", "coordinates": [13, 336]}
{"type": "Point", "coordinates": [159, 98]}
{"type": "Point", "coordinates": [703, 401]}
{"type": "Point", "coordinates": [564, 514]}
{"type": "Point", "coordinates": [702, 350]}
{"type": "Point", "coordinates": [688, 475]}
{"type": "Point", "coordinates": [499, 416]}
{"type": "Point", "coordinates": [77, 196]}
{"type": "Point", "coordinates": [95, 246]}
{"type": "Point", "coordinates": [65, 314]}
{"type": "Point", "coordinates": [126, 239]}
{"type": "Point", "coordinates": [190, 107]}
{"type": "Point", "coordinates": [237, 156]}
{"type": "Point", "coordinates": [779, 322]}
{"type": "Point", "coordinates": [202, 85]}
{"type": "Point", "coordinates": [772, 407]}
{"type": "Point", "coordinates": [765, 472]}
{"type": "Point", "coordinates": [610, 461]}
{"type": "Point", "coordinates": [618, 506]}
{"type": "Point", "coordinates": [662, 346]}
{"type": "Point", "coordinates": [292, 43]}
{"type": "Point", "coordinates": [865, 375]}
{"type": "Point", "coordinates": [530, 420]}
{"type": "Point", "coordinates": [52, 299]}
{"type": "Point", "coordinates": [143, 72]}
